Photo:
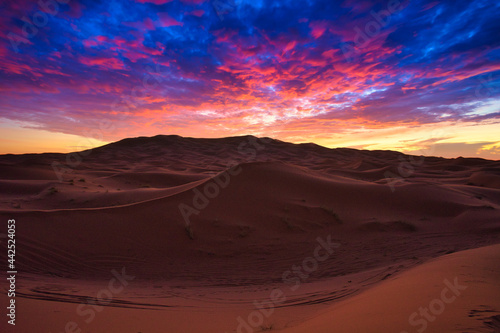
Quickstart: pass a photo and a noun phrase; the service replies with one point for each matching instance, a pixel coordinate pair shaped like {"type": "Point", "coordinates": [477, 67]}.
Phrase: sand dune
{"type": "Point", "coordinates": [459, 292]}
{"type": "Point", "coordinates": [207, 226]}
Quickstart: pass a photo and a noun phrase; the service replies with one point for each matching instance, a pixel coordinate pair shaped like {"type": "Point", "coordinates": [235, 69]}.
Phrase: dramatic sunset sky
{"type": "Point", "coordinates": [414, 76]}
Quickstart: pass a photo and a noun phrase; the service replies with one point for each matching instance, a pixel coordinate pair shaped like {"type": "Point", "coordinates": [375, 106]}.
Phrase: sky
{"type": "Point", "coordinates": [415, 76]}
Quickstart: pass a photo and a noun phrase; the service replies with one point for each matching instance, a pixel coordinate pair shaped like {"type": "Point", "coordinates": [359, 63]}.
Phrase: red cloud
{"type": "Point", "coordinates": [198, 13]}
{"type": "Point", "coordinates": [103, 62]}
{"type": "Point", "coordinates": [168, 21]}
{"type": "Point", "coordinates": [318, 28]}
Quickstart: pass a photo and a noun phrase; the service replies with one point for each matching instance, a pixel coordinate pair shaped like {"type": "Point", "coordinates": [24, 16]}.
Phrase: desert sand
{"type": "Point", "coordinates": [241, 234]}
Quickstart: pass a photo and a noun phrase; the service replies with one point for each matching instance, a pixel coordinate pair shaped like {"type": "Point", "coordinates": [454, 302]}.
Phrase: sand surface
{"type": "Point", "coordinates": [171, 234]}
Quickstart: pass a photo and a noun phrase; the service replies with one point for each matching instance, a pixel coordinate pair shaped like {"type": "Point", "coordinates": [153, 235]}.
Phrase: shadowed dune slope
{"type": "Point", "coordinates": [263, 205]}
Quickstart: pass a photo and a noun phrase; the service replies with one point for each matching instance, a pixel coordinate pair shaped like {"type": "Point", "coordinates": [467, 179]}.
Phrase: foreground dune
{"type": "Point", "coordinates": [459, 292]}
{"type": "Point", "coordinates": [171, 234]}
